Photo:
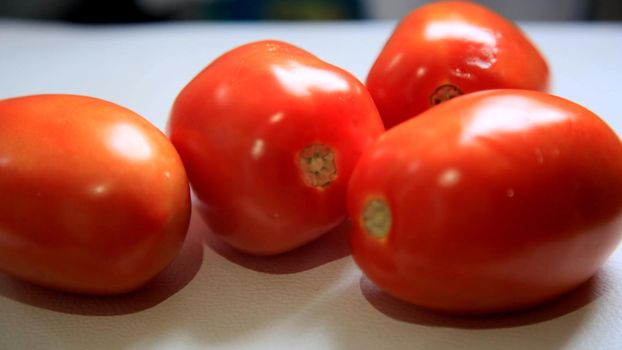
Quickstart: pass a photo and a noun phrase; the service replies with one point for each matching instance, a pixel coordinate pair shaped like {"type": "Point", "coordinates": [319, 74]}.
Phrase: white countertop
{"type": "Point", "coordinates": [315, 297]}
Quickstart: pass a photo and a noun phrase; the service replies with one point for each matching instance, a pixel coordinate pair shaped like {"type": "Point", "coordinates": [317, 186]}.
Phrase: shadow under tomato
{"type": "Point", "coordinates": [565, 304]}
{"type": "Point", "coordinates": [330, 247]}
{"type": "Point", "coordinates": [175, 277]}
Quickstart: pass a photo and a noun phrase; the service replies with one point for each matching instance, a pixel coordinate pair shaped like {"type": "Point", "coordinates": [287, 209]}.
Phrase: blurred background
{"type": "Point", "coordinates": [128, 11]}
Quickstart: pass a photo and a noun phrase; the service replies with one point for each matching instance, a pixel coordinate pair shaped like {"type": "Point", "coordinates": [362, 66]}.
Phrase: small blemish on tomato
{"type": "Point", "coordinates": [376, 218]}
{"type": "Point", "coordinates": [317, 165]}
{"type": "Point", "coordinates": [443, 93]}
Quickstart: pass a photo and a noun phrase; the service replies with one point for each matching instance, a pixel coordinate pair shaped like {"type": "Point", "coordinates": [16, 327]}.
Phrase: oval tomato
{"type": "Point", "coordinates": [446, 49]}
{"type": "Point", "coordinates": [93, 198]}
{"type": "Point", "coordinates": [269, 135]}
{"type": "Point", "coordinates": [493, 201]}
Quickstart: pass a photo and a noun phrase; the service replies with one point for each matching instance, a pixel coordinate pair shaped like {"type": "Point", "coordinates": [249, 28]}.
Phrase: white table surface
{"type": "Point", "coordinates": [312, 298]}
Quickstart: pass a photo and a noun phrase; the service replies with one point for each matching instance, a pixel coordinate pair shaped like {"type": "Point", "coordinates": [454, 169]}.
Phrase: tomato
{"type": "Point", "coordinates": [493, 201]}
{"type": "Point", "coordinates": [446, 49]}
{"type": "Point", "coordinates": [269, 135]}
{"type": "Point", "coordinates": [93, 198]}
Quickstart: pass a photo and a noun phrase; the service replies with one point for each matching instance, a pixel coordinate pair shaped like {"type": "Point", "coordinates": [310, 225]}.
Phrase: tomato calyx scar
{"type": "Point", "coordinates": [443, 93]}
{"type": "Point", "coordinates": [376, 218]}
{"type": "Point", "coordinates": [317, 165]}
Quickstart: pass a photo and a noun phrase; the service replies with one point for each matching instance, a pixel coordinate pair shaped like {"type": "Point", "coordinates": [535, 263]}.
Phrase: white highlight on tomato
{"type": "Point", "coordinates": [99, 190]}
{"type": "Point", "coordinates": [395, 61]}
{"type": "Point", "coordinates": [449, 177]}
{"type": "Point", "coordinates": [276, 117]}
{"type": "Point", "coordinates": [258, 148]}
{"type": "Point", "coordinates": [128, 141]}
{"type": "Point", "coordinates": [509, 114]}
{"type": "Point", "coordinates": [459, 30]}
{"type": "Point", "coordinates": [303, 80]}
{"type": "Point", "coordinates": [483, 57]}
{"type": "Point", "coordinates": [421, 71]}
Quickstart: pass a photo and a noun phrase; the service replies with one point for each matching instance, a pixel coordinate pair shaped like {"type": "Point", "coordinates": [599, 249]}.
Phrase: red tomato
{"type": "Point", "coordinates": [269, 135]}
{"type": "Point", "coordinates": [93, 198]}
{"type": "Point", "coordinates": [493, 201]}
{"type": "Point", "coordinates": [446, 49]}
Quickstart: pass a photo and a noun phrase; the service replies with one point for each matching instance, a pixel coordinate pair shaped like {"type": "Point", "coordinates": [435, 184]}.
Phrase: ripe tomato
{"type": "Point", "coordinates": [493, 201]}
{"type": "Point", "coordinates": [269, 135]}
{"type": "Point", "coordinates": [446, 49]}
{"type": "Point", "coordinates": [93, 198]}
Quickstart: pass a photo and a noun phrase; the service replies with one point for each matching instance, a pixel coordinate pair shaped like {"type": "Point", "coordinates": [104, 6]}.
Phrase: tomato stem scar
{"type": "Point", "coordinates": [376, 218]}
{"type": "Point", "coordinates": [317, 164]}
{"type": "Point", "coordinates": [443, 93]}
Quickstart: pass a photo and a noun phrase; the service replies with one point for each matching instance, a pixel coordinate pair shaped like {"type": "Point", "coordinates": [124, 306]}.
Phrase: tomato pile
{"type": "Point", "coordinates": [470, 188]}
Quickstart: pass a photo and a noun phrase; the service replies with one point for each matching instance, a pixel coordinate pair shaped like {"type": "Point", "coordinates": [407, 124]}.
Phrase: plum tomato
{"type": "Point", "coordinates": [269, 135]}
{"type": "Point", "coordinates": [493, 201]}
{"type": "Point", "coordinates": [445, 49]}
{"type": "Point", "coordinates": [93, 198]}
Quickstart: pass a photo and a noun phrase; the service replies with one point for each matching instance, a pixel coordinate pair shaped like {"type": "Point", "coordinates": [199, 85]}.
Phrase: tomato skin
{"type": "Point", "coordinates": [240, 126]}
{"type": "Point", "coordinates": [462, 44]}
{"type": "Point", "coordinates": [499, 200]}
{"type": "Point", "coordinates": [93, 198]}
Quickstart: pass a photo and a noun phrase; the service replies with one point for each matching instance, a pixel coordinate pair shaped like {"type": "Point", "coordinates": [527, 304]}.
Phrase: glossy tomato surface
{"type": "Point", "coordinates": [490, 202]}
{"type": "Point", "coordinates": [445, 49]}
{"type": "Point", "coordinates": [93, 198]}
{"type": "Point", "coordinates": [269, 135]}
